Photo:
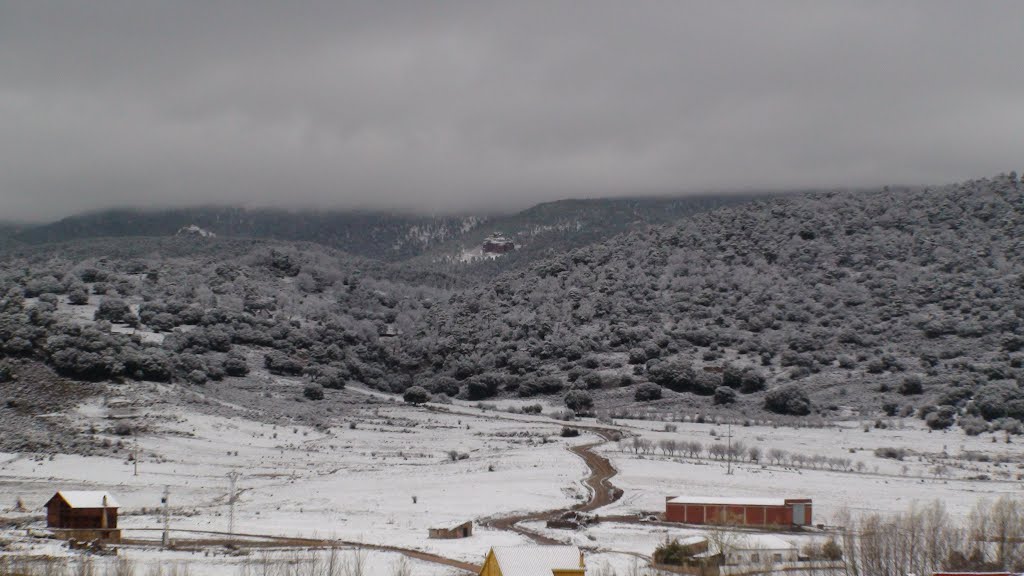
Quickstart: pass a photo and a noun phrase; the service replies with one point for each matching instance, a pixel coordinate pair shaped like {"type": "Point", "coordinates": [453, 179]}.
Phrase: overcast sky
{"type": "Point", "coordinates": [455, 106]}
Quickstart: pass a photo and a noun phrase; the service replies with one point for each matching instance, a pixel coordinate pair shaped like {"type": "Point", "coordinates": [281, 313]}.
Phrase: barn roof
{"type": "Point", "coordinates": [536, 560]}
{"type": "Point", "coordinates": [87, 499]}
{"type": "Point", "coordinates": [733, 501]}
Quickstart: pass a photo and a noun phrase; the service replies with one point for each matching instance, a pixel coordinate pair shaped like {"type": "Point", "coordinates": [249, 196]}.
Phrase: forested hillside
{"type": "Point", "coordinates": [882, 300]}
{"type": "Point", "coordinates": [545, 229]}
{"type": "Point", "coordinates": [368, 234]}
{"type": "Point", "coordinates": [897, 302]}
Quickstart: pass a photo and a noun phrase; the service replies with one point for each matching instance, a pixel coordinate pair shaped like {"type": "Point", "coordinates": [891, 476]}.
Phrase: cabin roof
{"type": "Point", "coordinates": [450, 525]}
{"type": "Point", "coordinates": [536, 560]}
{"type": "Point", "coordinates": [87, 498]}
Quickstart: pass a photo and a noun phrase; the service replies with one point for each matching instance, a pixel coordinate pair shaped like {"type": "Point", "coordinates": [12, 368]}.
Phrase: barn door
{"type": "Point", "coordinates": [799, 514]}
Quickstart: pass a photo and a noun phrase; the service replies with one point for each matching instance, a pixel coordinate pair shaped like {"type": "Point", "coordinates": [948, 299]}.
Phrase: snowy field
{"type": "Point", "coordinates": [935, 466]}
{"type": "Point", "coordinates": [385, 477]}
{"type": "Point", "coordinates": [383, 472]}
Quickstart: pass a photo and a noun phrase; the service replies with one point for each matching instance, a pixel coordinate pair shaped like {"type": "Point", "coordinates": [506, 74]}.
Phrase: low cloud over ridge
{"type": "Point", "coordinates": [465, 105]}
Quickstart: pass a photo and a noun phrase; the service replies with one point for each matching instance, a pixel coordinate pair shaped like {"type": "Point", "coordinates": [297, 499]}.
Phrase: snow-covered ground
{"type": "Point", "coordinates": [385, 478]}
{"type": "Point", "coordinates": [880, 484]}
{"type": "Point", "coordinates": [474, 254]}
{"type": "Point", "coordinates": [382, 473]}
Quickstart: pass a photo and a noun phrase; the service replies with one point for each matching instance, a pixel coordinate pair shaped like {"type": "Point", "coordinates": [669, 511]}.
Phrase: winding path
{"type": "Point", "coordinates": [602, 491]}
{"type": "Point", "coordinates": [289, 541]}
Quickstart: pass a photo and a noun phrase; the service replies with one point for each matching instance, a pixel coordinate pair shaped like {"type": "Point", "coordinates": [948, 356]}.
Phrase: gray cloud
{"type": "Point", "coordinates": [450, 106]}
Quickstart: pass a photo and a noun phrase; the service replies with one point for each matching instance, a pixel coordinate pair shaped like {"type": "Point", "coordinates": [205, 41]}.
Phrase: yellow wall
{"type": "Point", "coordinates": [490, 567]}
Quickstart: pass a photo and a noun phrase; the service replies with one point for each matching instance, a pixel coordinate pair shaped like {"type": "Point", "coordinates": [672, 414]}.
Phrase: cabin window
{"type": "Point", "coordinates": [776, 557]}
{"type": "Point", "coordinates": [755, 558]}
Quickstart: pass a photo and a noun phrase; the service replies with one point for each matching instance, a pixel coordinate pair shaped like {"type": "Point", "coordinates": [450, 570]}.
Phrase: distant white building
{"type": "Point", "coordinates": [497, 244]}
{"type": "Point", "coordinates": [761, 549]}
{"type": "Point", "coordinates": [746, 549]}
{"type": "Point", "coordinates": [195, 232]}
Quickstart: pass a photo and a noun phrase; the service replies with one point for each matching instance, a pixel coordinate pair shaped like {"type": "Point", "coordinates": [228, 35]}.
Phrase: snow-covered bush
{"type": "Point", "coordinates": [942, 418]}
{"type": "Point", "coordinates": [999, 399]}
{"type": "Point", "coordinates": [416, 395]}
{"type": "Point", "coordinates": [443, 384]}
{"type": "Point", "coordinates": [483, 386]}
{"type": "Point", "coordinates": [646, 392]}
{"type": "Point", "coordinates": [115, 310]}
{"type": "Point", "coordinates": [313, 392]}
{"type": "Point", "coordinates": [973, 426]}
{"type": "Point", "coordinates": [569, 432]}
{"type": "Point", "coordinates": [673, 374]}
{"type": "Point", "coordinates": [542, 385]}
{"type": "Point", "coordinates": [911, 385]}
{"type": "Point", "coordinates": [724, 395]}
{"type": "Point", "coordinates": [332, 378]}
{"type": "Point", "coordinates": [78, 296]}
{"type": "Point", "coordinates": [235, 364]}
{"type": "Point", "coordinates": [282, 364]}
{"type": "Point", "coordinates": [579, 401]}
{"type": "Point", "coordinates": [788, 400]}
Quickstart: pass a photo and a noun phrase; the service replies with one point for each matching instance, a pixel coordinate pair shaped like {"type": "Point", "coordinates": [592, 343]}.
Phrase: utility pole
{"type": "Point", "coordinates": [135, 459]}
{"type": "Point", "coordinates": [232, 477]}
{"type": "Point", "coordinates": [165, 501]}
{"type": "Point", "coordinates": [728, 454]}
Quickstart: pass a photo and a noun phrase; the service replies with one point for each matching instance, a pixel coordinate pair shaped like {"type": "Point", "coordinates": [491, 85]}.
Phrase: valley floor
{"type": "Point", "coordinates": [378, 472]}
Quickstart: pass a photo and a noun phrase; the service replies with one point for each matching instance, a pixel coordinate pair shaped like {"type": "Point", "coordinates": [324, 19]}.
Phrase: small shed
{"type": "Point", "coordinates": [739, 511]}
{"type": "Point", "coordinates": [451, 531]}
{"type": "Point", "coordinates": [83, 515]}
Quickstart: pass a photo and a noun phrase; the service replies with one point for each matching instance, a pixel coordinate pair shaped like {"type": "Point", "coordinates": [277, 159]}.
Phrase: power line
{"type": "Point", "coordinates": [165, 501]}
{"type": "Point", "coordinates": [232, 497]}
{"type": "Point", "coordinates": [728, 453]}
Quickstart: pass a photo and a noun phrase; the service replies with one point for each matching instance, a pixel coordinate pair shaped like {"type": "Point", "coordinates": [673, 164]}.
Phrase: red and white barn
{"type": "Point", "coordinates": [740, 511]}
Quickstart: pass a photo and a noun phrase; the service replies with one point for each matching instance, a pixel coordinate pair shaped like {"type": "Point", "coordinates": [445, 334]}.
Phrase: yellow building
{"type": "Point", "coordinates": [534, 561]}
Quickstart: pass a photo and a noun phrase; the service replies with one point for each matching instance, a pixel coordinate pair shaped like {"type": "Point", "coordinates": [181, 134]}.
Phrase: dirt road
{"type": "Point", "coordinates": [602, 491]}
{"type": "Point", "coordinates": [265, 540]}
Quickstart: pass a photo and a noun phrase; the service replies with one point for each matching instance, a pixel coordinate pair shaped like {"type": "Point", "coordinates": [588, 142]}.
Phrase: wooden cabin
{"type": "Point", "coordinates": [83, 515]}
{"type": "Point", "coordinates": [451, 531]}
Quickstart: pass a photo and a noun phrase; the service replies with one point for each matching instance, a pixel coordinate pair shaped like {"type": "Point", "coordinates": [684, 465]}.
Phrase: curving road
{"type": "Point", "coordinates": [288, 541]}
{"type": "Point", "coordinates": [602, 491]}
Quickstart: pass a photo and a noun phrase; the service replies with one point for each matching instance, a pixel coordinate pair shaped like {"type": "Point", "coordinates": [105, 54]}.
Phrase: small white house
{"type": "Point", "coordinates": [761, 549]}
{"type": "Point", "coordinates": [748, 549]}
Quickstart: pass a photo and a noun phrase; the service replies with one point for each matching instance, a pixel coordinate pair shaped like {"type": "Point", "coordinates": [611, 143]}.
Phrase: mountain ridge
{"type": "Point", "coordinates": [875, 302]}
{"type": "Point", "coordinates": [388, 236]}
